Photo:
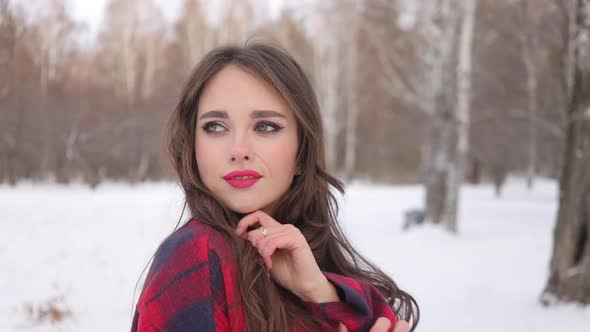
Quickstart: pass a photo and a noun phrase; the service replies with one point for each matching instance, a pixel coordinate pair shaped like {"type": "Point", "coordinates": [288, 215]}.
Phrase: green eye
{"type": "Point", "coordinates": [213, 127]}
{"type": "Point", "coordinates": [267, 127]}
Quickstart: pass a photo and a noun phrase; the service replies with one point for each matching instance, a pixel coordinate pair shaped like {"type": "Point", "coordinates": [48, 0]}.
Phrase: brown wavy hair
{"type": "Point", "coordinates": [309, 204]}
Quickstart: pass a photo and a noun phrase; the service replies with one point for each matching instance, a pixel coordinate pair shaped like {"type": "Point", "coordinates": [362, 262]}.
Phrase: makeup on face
{"type": "Point", "coordinates": [246, 141]}
{"type": "Point", "coordinates": [263, 125]}
{"type": "Point", "coordinates": [242, 179]}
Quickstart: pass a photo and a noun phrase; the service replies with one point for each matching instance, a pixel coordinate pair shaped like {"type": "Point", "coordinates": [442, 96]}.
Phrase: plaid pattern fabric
{"type": "Point", "coordinates": [191, 287]}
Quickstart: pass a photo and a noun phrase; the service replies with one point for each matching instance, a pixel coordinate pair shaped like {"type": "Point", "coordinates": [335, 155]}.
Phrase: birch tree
{"type": "Point", "coordinates": [236, 23]}
{"type": "Point", "coordinates": [394, 44]}
{"type": "Point", "coordinates": [336, 75]}
{"type": "Point", "coordinates": [352, 17]}
{"type": "Point", "coordinates": [446, 101]}
{"type": "Point", "coordinates": [132, 61]}
{"type": "Point", "coordinates": [529, 41]}
{"type": "Point", "coordinates": [8, 140]}
{"type": "Point", "coordinates": [462, 117]}
{"type": "Point", "coordinates": [328, 73]}
{"type": "Point", "coordinates": [448, 138]}
{"type": "Point", "coordinates": [438, 148]}
{"type": "Point", "coordinates": [289, 31]}
{"type": "Point", "coordinates": [120, 49]}
{"type": "Point", "coordinates": [7, 42]}
{"type": "Point", "coordinates": [193, 32]}
{"type": "Point", "coordinates": [569, 271]}
{"type": "Point", "coordinates": [53, 28]}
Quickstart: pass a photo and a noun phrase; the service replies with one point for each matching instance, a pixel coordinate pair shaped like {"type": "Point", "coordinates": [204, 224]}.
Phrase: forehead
{"type": "Point", "coordinates": [234, 89]}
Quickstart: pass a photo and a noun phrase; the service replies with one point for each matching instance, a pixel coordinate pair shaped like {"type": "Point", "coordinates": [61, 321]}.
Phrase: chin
{"type": "Point", "coordinates": [244, 209]}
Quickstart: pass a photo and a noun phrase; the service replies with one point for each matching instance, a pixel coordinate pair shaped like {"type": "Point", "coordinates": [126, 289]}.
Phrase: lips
{"type": "Point", "coordinates": [242, 179]}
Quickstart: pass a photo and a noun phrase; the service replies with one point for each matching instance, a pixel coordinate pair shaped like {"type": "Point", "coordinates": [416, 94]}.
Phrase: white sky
{"type": "Point", "coordinates": [92, 12]}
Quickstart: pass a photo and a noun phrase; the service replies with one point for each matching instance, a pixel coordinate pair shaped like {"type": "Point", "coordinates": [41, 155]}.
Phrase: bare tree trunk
{"type": "Point", "coordinates": [327, 72]}
{"type": "Point", "coordinates": [194, 33]}
{"type": "Point", "coordinates": [44, 118]}
{"type": "Point", "coordinates": [440, 139]}
{"type": "Point", "coordinates": [351, 92]}
{"type": "Point", "coordinates": [457, 165]}
{"type": "Point", "coordinates": [532, 114]}
{"type": "Point", "coordinates": [11, 140]}
{"type": "Point", "coordinates": [529, 48]}
{"type": "Point", "coordinates": [129, 59]}
{"type": "Point", "coordinates": [235, 25]}
{"type": "Point", "coordinates": [54, 31]}
{"type": "Point", "coordinates": [327, 68]}
{"type": "Point", "coordinates": [569, 277]}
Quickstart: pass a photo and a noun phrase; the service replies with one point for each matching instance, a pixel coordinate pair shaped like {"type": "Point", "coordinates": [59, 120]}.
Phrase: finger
{"type": "Point", "coordinates": [257, 217]}
{"type": "Point", "coordinates": [382, 324]}
{"type": "Point", "coordinates": [256, 235]}
{"type": "Point", "coordinates": [267, 246]}
{"type": "Point", "coordinates": [285, 237]}
{"type": "Point", "coordinates": [342, 328]}
{"type": "Point", "coordinates": [265, 250]}
{"type": "Point", "coordinates": [402, 326]}
{"type": "Point", "coordinates": [247, 221]}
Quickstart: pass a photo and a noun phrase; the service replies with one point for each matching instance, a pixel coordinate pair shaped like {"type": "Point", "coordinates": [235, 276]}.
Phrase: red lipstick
{"type": "Point", "coordinates": [242, 179]}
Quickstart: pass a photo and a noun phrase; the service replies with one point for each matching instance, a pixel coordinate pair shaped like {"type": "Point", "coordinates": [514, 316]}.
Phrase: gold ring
{"type": "Point", "coordinates": [264, 231]}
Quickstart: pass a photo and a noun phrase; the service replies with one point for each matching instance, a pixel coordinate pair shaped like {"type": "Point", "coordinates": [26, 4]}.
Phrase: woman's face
{"type": "Point", "coordinates": [244, 126]}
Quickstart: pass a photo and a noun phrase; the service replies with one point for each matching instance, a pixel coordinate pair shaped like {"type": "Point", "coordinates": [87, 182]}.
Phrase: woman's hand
{"type": "Point", "coordinates": [287, 255]}
{"type": "Point", "coordinates": [382, 325]}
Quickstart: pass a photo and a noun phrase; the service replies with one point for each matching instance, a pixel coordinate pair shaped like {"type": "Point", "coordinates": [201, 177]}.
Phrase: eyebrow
{"type": "Point", "coordinates": [214, 114]}
{"type": "Point", "coordinates": [255, 115]}
{"type": "Point", "coordinates": [266, 114]}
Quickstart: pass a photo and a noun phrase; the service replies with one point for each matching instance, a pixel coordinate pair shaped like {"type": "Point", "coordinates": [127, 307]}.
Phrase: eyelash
{"type": "Point", "coordinates": [207, 127]}
{"type": "Point", "coordinates": [275, 127]}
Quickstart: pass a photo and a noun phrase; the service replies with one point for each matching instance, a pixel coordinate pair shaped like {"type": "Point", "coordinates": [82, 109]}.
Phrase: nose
{"type": "Point", "coordinates": [240, 150]}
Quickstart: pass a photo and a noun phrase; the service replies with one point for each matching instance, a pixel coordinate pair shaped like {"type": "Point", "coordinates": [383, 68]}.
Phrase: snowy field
{"type": "Point", "coordinates": [83, 250]}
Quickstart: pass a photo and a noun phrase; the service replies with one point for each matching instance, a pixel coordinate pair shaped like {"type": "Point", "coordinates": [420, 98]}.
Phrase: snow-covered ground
{"type": "Point", "coordinates": [87, 248]}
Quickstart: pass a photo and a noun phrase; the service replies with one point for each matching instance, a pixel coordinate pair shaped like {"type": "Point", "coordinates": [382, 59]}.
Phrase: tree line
{"type": "Point", "coordinates": [437, 92]}
{"type": "Point", "coordinates": [72, 111]}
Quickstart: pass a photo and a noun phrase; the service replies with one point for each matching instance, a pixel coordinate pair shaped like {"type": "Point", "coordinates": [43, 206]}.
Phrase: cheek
{"type": "Point", "coordinates": [206, 155]}
{"type": "Point", "coordinates": [283, 158]}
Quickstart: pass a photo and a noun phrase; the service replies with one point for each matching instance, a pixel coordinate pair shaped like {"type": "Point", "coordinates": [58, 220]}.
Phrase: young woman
{"type": "Point", "coordinates": [263, 250]}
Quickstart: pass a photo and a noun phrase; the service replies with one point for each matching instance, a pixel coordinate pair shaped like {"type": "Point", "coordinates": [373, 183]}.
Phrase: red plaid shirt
{"type": "Point", "coordinates": [190, 287]}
